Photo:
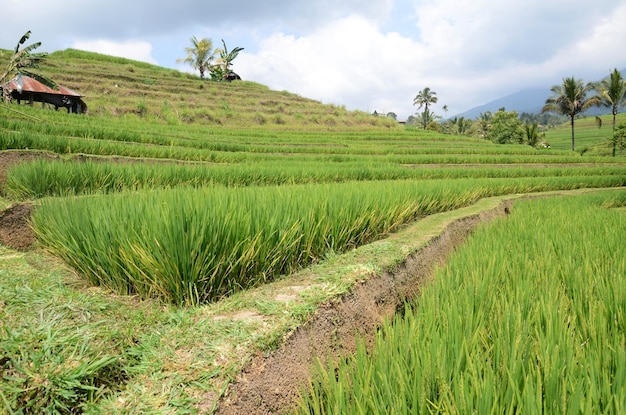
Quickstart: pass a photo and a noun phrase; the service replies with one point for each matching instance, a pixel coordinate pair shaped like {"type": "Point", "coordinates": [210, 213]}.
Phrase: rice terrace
{"type": "Point", "coordinates": [187, 246]}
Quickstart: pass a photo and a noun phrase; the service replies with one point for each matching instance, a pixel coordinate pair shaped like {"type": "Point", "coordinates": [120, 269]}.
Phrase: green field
{"type": "Point", "coordinates": [177, 205]}
{"type": "Point", "coordinates": [589, 138]}
{"type": "Point", "coordinates": [528, 317]}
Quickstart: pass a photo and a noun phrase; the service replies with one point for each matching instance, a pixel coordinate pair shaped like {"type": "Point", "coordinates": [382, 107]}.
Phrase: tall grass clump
{"type": "Point", "coordinates": [60, 374]}
{"type": "Point", "coordinates": [528, 317]}
{"type": "Point", "coordinates": [190, 246]}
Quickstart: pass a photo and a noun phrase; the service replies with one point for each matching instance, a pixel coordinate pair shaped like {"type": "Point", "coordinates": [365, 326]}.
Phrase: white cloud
{"type": "Point", "coordinates": [600, 50]}
{"type": "Point", "coordinates": [466, 51]}
{"type": "Point", "coordinates": [347, 62]}
{"type": "Point", "coordinates": [131, 49]}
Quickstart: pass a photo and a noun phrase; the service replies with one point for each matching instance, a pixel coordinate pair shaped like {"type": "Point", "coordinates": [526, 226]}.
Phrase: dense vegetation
{"type": "Point", "coordinates": [195, 246]}
{"type": "Point", "coordinates": [569, 100]}
{"type": "Point", "coordinates": [180, 195]}
{"type": "Point", "coordinates": [518, 321]}
{"type": "Point", "coordinates": [237, 255]}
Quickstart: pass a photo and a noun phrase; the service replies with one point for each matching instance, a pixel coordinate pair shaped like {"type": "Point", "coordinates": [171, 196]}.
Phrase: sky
{"type": "Point", "coordinates": [362, 54]}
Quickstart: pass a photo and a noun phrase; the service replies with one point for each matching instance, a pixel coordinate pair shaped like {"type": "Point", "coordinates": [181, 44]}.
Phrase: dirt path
{"type": "Point", "coordinates": [270, 384]}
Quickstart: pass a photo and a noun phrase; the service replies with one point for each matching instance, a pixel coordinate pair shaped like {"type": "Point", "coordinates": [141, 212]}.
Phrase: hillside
{"type": "Point", "coordinates": [529, 100]}
{"type": "Point", "coordinates": [115, 86]}
{"type": "Point", "coordinates": [590, 138]}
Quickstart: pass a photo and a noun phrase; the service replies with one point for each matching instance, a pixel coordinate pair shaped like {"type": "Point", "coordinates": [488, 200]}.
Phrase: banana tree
{"type": "Point", "coordinates": [22, 62]}
{"type": "Point", "coordinates": [221, 70]}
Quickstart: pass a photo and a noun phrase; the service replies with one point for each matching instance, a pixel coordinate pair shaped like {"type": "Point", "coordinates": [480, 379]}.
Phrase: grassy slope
{"type": "Point", "coordinates": [588, 138]}
{"type": "Point", "coordinates": [118, 86]}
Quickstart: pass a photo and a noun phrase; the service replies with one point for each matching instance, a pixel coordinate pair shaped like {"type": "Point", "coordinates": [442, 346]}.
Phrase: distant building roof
{"type": "Point", "coordinates": [33, 85]}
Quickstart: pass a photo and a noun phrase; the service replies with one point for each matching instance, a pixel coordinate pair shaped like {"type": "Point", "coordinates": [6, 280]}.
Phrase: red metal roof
{"type": "Point", "coordinates": [33, 85]}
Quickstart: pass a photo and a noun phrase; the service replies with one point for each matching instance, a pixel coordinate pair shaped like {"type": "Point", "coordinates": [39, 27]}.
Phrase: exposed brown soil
{"type": "Point", "coordinates": [15, 232]}
{"type": "Point", "coordinates": [270, 383]}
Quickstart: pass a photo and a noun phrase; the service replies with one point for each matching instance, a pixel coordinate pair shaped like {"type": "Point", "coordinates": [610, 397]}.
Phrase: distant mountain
{"type": "Point", "coordinates": [529, 100]}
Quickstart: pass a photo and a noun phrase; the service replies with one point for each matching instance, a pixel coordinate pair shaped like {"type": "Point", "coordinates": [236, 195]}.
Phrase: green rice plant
{"type": "Point", "coordinates": [135, 137]}
{"type": "Point", "coordinates": [251, 140]}
{"type": "Point", "coordinates": [42, 178]}
{"type": "Point", "coordinates": [527, 317]}
{"type": "Point", "coordinates": [190, 246]}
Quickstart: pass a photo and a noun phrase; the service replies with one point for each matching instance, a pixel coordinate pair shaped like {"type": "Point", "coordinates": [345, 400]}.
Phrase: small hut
{"type": "Point", "coordinates": [29, 90]}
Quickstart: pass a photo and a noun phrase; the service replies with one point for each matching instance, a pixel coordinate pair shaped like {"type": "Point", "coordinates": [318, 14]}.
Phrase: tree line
{"type": "Point", "coordinates": [569, 99]}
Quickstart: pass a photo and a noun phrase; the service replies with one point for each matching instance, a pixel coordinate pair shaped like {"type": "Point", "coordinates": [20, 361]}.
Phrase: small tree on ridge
{"type": "Point", "coordinates": [570, 98]}
{"type": "Point", "coordinates": [199, 55]}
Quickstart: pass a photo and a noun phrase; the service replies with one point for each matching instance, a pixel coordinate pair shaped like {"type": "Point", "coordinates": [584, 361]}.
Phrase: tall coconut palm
{"type": "Point", "coordinates": [199, 55]}
{"type": "Point", "coordinates": [424, 98]}
{"type": "Point", "coordinates": [612, 92]}
{"type": "Point", "coordinates": [570, 99]}
{"type": "Point", "coordinates": [23, 61]}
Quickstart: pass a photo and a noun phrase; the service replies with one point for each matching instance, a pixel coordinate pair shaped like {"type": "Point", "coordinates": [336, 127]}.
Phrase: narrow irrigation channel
{"type": "Point", "coordinates": [270, 383]}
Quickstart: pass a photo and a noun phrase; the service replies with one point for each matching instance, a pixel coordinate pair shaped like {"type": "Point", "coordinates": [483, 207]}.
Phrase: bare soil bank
{"type": "Point", "coordinates": [270, 384]}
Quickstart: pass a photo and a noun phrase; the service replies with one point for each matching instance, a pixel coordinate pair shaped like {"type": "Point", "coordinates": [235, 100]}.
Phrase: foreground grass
{"type": "Point", "coordinates": [65, 345]}
{"type": "Point", "coordinates": [528, 317]}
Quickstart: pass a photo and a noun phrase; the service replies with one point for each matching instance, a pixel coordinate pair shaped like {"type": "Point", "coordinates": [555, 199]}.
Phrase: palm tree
{"type": "Point", "coordinates": [532, 134]}
{"type": "Point", "coordinates": [462, 125]}
{"type": "Point", "coordinates": [22, 61]}
{"type": "Point", "coordinates": [222, 69]}
{"type": "Point", "coordinates": [612, 92]}
{"type": "Point", "coordinates": [484, 123]}
{"type": "Point", "coordinates": [426, 118]}
{"type": "Point", "coordinates": [570, 99]}
{"type": "Point", "coordinates": [199, 55]}
{"type": "Point", "coordinates": [424, 98]}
